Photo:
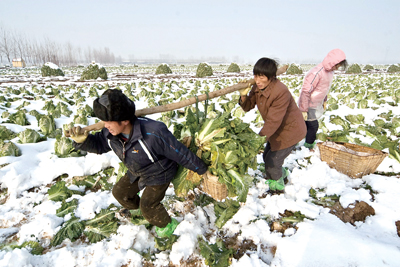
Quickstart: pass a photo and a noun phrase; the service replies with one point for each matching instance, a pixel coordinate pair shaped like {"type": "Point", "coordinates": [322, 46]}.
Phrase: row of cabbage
{"type": "Point", "coordinates": [124, 69]}
{"type": "Point", "coordinates": [357, 93]}
{"type": "Point", "coordinates": [151, 68]}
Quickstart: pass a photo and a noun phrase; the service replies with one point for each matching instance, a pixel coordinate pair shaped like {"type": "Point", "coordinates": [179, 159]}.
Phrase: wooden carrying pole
{"type": "Point", "coordinates": [187, 102]}
{"type": "Point", "coordinates": [168, 107]}
{"type": "Point", "coordinates": [192, 100]}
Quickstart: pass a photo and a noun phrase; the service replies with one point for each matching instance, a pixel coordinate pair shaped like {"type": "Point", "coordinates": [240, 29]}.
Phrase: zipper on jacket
{"type": "Point", "coordinates": [123, 150]}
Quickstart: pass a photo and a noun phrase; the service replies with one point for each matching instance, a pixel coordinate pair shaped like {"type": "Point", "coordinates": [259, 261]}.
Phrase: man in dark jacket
{"type": "Point", "coordinates": [149, 151]}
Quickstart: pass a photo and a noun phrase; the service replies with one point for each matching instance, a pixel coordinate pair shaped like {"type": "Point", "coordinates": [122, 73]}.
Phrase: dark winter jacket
{"type": "Point", "coordinates": [151, 153]}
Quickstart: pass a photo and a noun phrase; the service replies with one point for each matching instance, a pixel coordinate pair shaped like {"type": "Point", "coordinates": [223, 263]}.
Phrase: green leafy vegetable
{"type": "Point", "coordinates": [71, 229]}
{"type": "Point", "coordinates": [34, 247]}
{"type": "Point", "coordinates": [59, 192]}
{"type": "Point", "coordinates": [165, 243]}
{"type": "Point", "coordinates": [63, 147]}
{"type": "Point", "coordinates": [216, 255]}
{"type": "Point", "coordinates": [9, 149]}
{"type": "Point", "coordinates": [18, 118]}
{"type": "Point", "coordinates": [225, 211]}
{"type": "Point", "coordinates": [47, 124]}
{"type": "Point", "coordinates": [101, 231]}
{"type": "Point", "coordinates": [29, 136]}
{"type": "Point", "coordinates": [67, 207]}
{"type": "Point", "coordinates": [6, 134]}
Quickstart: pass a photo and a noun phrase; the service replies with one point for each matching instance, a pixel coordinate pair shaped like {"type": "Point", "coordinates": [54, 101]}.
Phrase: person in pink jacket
{"type": "Point", "coordinates": [313, 94]}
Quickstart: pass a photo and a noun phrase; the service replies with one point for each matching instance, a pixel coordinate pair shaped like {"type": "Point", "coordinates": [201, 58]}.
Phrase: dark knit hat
{"type": "Point", "coordinates": [113, 105]}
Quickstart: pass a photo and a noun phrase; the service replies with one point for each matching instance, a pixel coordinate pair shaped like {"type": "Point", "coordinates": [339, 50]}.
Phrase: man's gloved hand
{"type": "Point", "coordinates": [305, 115]}
{"type": "Point", "coordinates": [325, 105]}
{"type": "Point", "coordinates": [75, 134]}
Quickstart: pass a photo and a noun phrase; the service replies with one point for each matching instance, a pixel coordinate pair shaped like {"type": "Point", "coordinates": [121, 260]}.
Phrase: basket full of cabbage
{"type": "Point", "coordinates": [227, 145]}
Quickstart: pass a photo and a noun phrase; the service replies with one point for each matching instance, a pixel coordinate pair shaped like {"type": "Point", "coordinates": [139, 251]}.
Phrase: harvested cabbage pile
{"type": "Point", "coordinates": [227, 145]}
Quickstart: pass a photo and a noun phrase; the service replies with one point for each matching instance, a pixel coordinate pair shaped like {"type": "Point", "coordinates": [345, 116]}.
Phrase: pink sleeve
{"type": "Point", "coordinates": [309, 84]}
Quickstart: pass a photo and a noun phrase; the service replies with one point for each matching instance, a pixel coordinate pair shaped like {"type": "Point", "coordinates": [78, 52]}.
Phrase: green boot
{"type": "Point", "coordinates": [309, 146]}
{"type": "Point", "coordinates": [168, 230]}
{"type": "Point", "coordinates": [276, 185]}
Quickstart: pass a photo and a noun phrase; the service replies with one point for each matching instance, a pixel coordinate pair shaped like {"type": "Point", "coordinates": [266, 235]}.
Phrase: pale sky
{"type": "Point", "coordinates": [290, 31]}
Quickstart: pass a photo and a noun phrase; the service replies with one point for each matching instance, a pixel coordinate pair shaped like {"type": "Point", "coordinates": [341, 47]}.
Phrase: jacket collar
{"type": "Point", "coordinates": [267, 91]}
{"type": "Point", "coordinates": [135, 134]}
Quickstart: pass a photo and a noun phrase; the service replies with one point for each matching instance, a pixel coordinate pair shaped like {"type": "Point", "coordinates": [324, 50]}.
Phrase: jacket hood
{"type": "Point", "coordinates": [334, 57]}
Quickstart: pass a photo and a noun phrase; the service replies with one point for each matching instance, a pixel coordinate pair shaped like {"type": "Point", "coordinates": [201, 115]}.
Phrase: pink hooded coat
{"type": "Point", "coordinates": [317, 82]}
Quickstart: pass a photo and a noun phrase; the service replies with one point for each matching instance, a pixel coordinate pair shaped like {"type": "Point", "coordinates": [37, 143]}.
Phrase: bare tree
{"type": "Point", "coordinates": [97, 55]}
{"type": "Point", "coordinates": [6, 43]}
{"type": "Point", "coordinates": [88, 54]}
{"type": "Point", "coordinates": [38, 52]}
{"type": "Point", "coordinates": [69, 55]}
{"type": "Point", "coordinates": [19, 41]}
{"type": "Point", "coordinates": [79, 54]}
{"type": "Point", "coordinates": [51, 51]}
{"type": "Point", "coordinates": [34, 51]}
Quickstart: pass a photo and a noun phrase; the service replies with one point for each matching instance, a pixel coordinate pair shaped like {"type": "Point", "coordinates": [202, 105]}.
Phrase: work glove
{"type": "Point", "coordinates": [246, 90]}
{"type": "Point", "coordinates": [75, 134]}
{"type": "Point", "coordinates": [325, 105]}
{"type": "Point", "coordinates": [305, 115]}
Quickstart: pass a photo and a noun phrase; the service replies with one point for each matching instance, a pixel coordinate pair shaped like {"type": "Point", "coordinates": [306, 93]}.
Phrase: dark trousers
{"type": "Point", "coordinates": [274, 160]}
{"type": "Point", "coordinates": [126, 193]}
{"type": "Point", "coordinates": [312, 128]}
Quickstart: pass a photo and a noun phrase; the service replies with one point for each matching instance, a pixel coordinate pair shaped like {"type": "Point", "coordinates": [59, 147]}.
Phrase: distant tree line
{"type": "Point", "coordinates": [37, 52]}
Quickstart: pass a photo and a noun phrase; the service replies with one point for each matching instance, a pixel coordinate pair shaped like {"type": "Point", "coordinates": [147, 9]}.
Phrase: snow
{"type": "Point", "coordinates": [51, 65]}
{"type": "Point", "coordinates": [321, 240]}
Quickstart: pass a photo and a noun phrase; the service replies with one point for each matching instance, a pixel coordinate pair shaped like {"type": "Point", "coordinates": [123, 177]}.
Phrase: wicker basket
{"type": "Point", "coordinates": [215, 189]}
{"type": "Point", "coordinates": [350, 164]}
{"type": "Point", "coordinates": [193, 177]}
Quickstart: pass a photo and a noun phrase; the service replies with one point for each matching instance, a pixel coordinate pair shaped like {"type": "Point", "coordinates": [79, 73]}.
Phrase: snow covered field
{"type": "Point", "coordinates": [320, 239]}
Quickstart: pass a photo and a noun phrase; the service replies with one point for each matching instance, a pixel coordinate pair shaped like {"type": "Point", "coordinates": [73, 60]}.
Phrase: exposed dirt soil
{"type": "Point", "coordinates": [358, 212]}
{"type": "Point", "coordinates": [240, 247]}
{"type": "Point", "coordinates": [398, 228]}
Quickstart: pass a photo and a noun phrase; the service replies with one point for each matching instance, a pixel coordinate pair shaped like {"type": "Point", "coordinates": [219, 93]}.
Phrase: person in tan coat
{"type": "Point", "coordinates": [284, 125]}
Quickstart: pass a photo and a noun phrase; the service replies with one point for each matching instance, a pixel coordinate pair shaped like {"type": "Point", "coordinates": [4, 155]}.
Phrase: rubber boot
{"type": "Point", "coordinates": [168, 230]}
{"type": "Point", "coordinates": [276, 185]}
{"type": "Point", "coordinates": [309, 146]}
{"type": "Point", "coordinates": [279, 185]}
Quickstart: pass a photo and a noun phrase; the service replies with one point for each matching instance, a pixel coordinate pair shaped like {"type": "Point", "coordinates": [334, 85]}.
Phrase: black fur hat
{"type": "Point", "coordinates": [113, 105]}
